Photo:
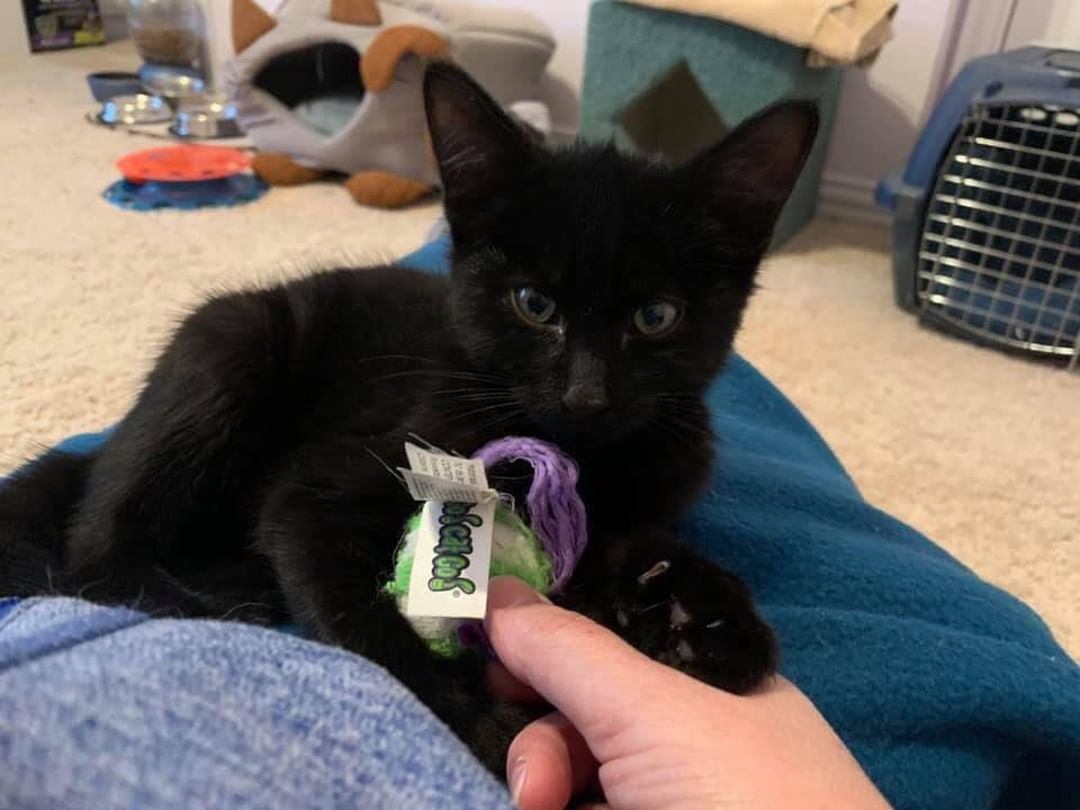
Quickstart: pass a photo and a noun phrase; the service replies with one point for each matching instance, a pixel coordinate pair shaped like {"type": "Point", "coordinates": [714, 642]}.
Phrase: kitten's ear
{"type": "Point", "coordinates": [755, 167]}
{"type": "Point", "coordinates": [480, 149]}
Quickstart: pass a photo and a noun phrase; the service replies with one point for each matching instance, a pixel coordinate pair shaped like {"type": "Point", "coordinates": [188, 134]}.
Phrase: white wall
{"type": "Point", "coordinates": [883, 107]}
{"type": "Point", "coordinates": [1064, 24]}
{"type": "Point", "coordinates": [568, 22]}
{"type": "Point", "coordinates": [1045, 21]}
{"type": "Point", "coordinates": [13, 41]}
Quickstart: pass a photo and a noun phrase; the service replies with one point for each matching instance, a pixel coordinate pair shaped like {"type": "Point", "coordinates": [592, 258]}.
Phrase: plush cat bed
{"type": "Point", "coordinates": [334, 85]}
{"type": "Point", "coordinates": [951, 693]}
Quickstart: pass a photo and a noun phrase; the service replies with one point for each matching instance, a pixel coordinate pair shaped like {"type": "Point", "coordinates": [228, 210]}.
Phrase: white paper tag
{"type": "Point", "coordinates": [466, 471]}
{"type": "Point", "coordinates": [429, 488]}
{"type": "Point", "coordinates": [453, 560]}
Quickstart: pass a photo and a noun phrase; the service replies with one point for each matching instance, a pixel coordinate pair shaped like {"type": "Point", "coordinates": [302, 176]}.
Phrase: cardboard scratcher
{"type": "Point", "coordinates": [668, 83]}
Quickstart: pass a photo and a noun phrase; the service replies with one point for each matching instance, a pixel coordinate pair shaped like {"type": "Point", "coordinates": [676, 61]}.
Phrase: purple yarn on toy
{"type": "Point", "coordinates": [556, 511]}
{"type": "Point", "coordinates": [556, 515]}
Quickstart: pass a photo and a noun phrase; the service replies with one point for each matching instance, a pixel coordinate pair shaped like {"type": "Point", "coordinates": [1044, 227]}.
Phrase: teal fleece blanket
{"type": "Point", "coordinates": [949, 691]}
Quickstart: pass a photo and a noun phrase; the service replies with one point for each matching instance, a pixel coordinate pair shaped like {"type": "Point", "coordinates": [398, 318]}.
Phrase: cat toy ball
{"type": "Point", "coordinates": [542, 546]}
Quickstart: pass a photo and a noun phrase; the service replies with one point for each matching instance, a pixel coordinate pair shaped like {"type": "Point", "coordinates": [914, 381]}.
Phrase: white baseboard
{"type": "Point", "coordinates": [562, 135]}
{"type": "Point", "coordinates": [850, 198]}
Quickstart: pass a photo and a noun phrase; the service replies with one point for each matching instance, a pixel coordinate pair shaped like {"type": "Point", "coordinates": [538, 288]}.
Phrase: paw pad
{"type": "Point", "coordinates": [679, 616]}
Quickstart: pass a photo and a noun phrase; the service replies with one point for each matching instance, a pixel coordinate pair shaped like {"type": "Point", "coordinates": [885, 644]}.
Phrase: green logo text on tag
{"type": "Point", "coordinates": [456, 526]}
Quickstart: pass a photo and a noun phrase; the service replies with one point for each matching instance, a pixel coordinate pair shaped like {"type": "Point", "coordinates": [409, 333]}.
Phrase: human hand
{"type": "Point", "coordinates": [652, 736]}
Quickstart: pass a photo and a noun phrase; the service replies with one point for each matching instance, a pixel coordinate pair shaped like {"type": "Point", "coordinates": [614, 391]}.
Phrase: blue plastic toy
{"type": "Point", "coordinates": [238, 189]}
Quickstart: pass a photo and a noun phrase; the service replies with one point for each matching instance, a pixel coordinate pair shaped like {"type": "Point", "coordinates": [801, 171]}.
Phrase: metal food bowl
{"type": "Point", "coordinates": [207, 116]}
{"type": "Point", "coordinates": [172, 84]}
{"type": "Point", "coordinates": [136, 109]}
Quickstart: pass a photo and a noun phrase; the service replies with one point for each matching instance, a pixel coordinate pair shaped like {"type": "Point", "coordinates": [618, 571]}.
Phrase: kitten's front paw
{"type": "Point", "coordinates": [697, 618]}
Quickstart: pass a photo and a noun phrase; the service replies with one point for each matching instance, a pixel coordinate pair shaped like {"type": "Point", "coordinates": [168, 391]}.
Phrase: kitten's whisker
{"type": "Point", "coordinates": [497, 396]}
{"type": "Point", "coordinates": [471, 390]}
{"type": "Point", "coordinates": [689, 438]}
{"type": "Point", "coordinates": [375, 358]}
{"type": "Point", "coordinates": [92, 584]}
{"type": "Point", "coordinates": [225, 616]}
{"type": "Point", "coordinates": [500, 416]}
{"type": "Point", "coordinates": [423, 441]}
{"type": "Point", "coordinates": [441, 374]}
{"type": "Point", "coordinates": [682, 409]}
{"type": "Point", "coordinates": [498, 406]}
{"type": "Point", "coordinates": [684, 404]}
{"type": "Point", "coordinates": [498, 420]}
{"type": "Point", "coordinates": [689, 425]}
{"type": "Point", "coordinates": [397, 476]}
{"type": "Point", "coordinates": [469, 375]}
{"type": "Point", "coordinates": [687, 421]}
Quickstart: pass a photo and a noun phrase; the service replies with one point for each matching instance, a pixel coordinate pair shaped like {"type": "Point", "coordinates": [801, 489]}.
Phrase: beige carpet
{"type": "Point", "coordinates": [980, 451]}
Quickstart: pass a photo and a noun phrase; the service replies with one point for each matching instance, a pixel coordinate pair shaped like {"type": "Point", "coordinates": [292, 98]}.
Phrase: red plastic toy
{"type": "Point", "coordinates": [183, 163]}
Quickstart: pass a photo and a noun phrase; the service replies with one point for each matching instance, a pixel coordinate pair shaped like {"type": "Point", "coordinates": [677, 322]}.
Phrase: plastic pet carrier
{"type": "Point", "coordinates": [986, 229]}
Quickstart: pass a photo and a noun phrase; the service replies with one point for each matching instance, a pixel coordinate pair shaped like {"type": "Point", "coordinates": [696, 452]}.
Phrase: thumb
{"type": "Point", "coordinates": [584, 670]}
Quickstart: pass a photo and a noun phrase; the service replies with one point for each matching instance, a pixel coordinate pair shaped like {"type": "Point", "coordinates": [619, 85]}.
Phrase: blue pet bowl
{"type": "Point", "coordinates": [106, 85]}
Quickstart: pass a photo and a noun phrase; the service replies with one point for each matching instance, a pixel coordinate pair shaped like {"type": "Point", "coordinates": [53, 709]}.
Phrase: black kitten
{"type": "Point", "coordinates": [593, 299]}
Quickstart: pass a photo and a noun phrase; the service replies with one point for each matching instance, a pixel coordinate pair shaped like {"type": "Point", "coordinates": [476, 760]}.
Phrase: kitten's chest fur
{"type": "Point", "coordinates": [639, 480]}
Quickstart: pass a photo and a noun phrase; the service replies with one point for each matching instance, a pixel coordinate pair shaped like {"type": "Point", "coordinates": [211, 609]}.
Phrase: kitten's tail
{"type": "Point", "coordinates": [36, 505]}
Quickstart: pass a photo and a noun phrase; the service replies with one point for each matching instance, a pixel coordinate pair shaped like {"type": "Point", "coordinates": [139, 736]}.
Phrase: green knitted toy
{"type": "Point", "coordinates": [516, 550]}
{"type": "Point", "coordinates": [542, 552]}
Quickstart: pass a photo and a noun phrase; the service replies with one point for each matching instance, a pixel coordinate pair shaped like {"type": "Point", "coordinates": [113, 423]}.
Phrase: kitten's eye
{"type": "Point", "coordinates": [532, 305]}
{"type": "Point", "coordinates": [657, 318]}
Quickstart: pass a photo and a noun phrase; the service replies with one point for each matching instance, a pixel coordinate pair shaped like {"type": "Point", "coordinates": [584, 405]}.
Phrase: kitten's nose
{"type": "Point", "coordinates": [586, 386]}
{"type": "Point", "coordinates": [585, 400]}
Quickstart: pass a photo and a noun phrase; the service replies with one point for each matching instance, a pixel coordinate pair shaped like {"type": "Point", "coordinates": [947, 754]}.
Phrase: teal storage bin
{"type": "Point", "coordinates": [659, 81]}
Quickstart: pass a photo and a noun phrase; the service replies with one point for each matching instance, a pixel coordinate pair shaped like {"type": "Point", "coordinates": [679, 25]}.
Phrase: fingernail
{"type": "Point", "coordinates": [518, 775]}
{"type": "Point", "coordinates": [513, 592]}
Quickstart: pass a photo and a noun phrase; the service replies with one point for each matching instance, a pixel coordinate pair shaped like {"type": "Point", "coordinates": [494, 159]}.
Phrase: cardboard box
{"type": "Point", "coordinates": [55, 24]}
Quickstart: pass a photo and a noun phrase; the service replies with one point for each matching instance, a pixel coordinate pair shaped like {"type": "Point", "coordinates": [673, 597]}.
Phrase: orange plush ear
{"type": "Point", "coordinates": [249, 22]}
{"type": "Point", "coordinates": [382, 56]}
{"type": "Point", "coordinates": [355, 12]}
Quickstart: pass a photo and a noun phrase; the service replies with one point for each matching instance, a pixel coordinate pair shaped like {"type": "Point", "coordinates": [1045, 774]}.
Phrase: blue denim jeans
{"type": "Point", "coordinates": [103, 708]}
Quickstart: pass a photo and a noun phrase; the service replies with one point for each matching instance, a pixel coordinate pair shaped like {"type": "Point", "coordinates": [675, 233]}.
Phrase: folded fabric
{"type": "Point", "coordinates": [951, 693]}
{"type": "Point", "coordinates": [835, 31]}
{"type": "Point", "coordinates": [102, 708]}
